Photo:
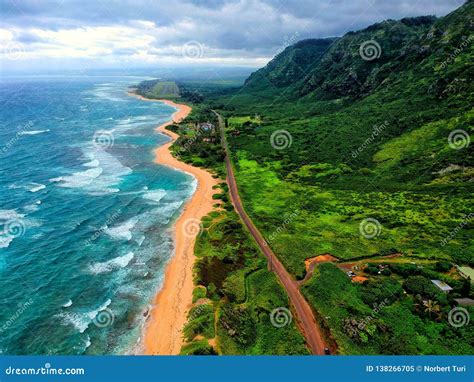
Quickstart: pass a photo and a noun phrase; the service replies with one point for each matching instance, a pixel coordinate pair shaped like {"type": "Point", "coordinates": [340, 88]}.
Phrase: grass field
{"type": "Point", "coordinates": [159, 89]}
{"type": "Point", "coordinates": [166, 90]}
{"type": "Point", "coordinates": [302, 221]}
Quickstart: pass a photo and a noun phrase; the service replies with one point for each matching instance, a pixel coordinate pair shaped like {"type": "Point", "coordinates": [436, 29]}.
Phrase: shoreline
{"type": "Point", "coordinates": [164, 327]}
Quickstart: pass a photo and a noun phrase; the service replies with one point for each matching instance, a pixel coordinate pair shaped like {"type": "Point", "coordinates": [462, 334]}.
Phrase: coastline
{"type": "Point", "coordinates": [168, 315]}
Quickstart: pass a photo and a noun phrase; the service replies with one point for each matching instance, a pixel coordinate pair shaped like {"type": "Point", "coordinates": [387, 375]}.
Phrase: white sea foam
{"type": "Point", "coordinates": [170, 208]}
{"type": "Point", "coordinates": [79, 179]}
{"type": "Point", "coordinates": [5, 241]}
{"type": "Point", "coordinates": [93, 163]}
{"type": "Point", "coordinates": [5, 216]}
{"type": "Point", "coordinates": [155, 195]}
{"type": "Point", "coordinates": [165, 212]}
{"type": "Point", "coordinates": [32, 207]}
{"type": "Point", "coordinates": [33, 132]}
{"type": "Point", "coordinates": [32, 187]}
{"type": "Point", "coordinates": [87, 342]}
{"type": "Point", "coordinates": [35, 187]}
{"type": "Point", "coordinates": [122, 231]}
{"type": "Point", "coordinates": [106, 92]}
{"type": "Point", "coordinates": [10, 214]}
{"type": "Point", "coordinates": [137, 119]}
{"type": "Point", "coordinates": [103, 172]}
{"type": "Point", "coordinates": [67, 304]}
{"type": "Point", "coordinates": [81, 321]}
{"type": "Point", "coordinates": [111, 265]}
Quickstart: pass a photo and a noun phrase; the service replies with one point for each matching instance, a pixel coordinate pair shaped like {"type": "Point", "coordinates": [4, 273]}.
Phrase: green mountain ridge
{"type": "Point", "coordinates": [387, 138]}
{"type": "Point", "coordinates": [410, 84]}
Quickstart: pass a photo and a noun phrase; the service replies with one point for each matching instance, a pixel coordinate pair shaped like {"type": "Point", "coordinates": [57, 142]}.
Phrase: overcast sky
{"type": "Point", "coordinates": [39, 34]}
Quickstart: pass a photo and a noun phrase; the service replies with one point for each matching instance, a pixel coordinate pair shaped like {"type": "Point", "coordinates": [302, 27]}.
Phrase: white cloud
{"type": "Point", "coordinates": [241, 32]}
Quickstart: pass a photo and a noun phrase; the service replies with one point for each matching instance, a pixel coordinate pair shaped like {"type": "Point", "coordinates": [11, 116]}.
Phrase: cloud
{"type": "Point", "coordinates": [240, 32]}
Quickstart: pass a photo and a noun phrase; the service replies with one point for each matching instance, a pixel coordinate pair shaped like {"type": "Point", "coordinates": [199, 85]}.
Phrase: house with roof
{"type": "Point", "coordinates": [466, 272]}
{"type": "Point", "coordinates": [442, 286]}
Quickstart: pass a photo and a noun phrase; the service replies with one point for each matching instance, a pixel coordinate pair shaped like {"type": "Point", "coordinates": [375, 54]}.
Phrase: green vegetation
{"type": "Point", "coordinates": [235, 293]}
{"type": "Point", "coordinates": [369, 140]}
{"type": "Point", "coordinates": [379, 318]}
{"type": "Point", "coordinates": [199, 140]}
{"type": "Point", "coordinates": [360, 158]}
{"type": "Point", "coordinates": [198, 348]}
{"type": "Point", "coordinates": [158, 89]}
{"type": "Point", "coordinates": [239, 296]}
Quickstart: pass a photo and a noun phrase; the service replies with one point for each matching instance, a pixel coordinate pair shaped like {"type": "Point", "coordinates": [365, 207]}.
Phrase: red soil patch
{"type": "Point", "coordinates": [326, 258]}
{"type": "Point", "coordinates": [347, 266]}
{"type": "Point", "coordinates": [359, 279]}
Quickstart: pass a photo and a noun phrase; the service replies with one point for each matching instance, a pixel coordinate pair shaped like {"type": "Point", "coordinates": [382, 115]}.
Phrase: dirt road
{"type": "Point", "coordinates": [304, 315]}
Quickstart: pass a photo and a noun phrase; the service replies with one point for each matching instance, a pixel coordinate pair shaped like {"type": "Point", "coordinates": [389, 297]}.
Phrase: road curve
{"type": "Point", "coordinates": [304, 314]}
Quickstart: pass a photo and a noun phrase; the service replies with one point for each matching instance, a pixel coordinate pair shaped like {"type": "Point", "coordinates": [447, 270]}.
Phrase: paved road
{"type": "Point", "coordinates": [304, 314]}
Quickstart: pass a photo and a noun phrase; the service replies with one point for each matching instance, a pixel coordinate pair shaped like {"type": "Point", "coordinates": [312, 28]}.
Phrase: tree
{"type": "Point", "coordinates": [466, 287]}
{"type": "Point", "coordinates": [431, 307]}
{"type": "Point", "coordinates": [420, 285]}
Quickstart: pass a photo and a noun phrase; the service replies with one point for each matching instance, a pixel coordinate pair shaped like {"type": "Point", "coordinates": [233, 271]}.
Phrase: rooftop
{"type": "Point", "coordinates": [442, 285]}
{"type": "Point", "coordinates": [467, 272]}
{"type": "Point", "coordinates": [465, 301]}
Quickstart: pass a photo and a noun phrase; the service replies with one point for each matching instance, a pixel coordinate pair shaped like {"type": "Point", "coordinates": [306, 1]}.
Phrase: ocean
{"type": "Point", "coordinates": [85, 215]}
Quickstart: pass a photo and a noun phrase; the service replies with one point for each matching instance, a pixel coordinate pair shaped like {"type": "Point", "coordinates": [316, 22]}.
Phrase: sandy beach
{"type": "Point", "coordinates": [163, 331]}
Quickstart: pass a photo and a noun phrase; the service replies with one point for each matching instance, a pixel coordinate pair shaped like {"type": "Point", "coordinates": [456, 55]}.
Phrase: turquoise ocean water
{"type": "Point", "coordinates": [85, 214]}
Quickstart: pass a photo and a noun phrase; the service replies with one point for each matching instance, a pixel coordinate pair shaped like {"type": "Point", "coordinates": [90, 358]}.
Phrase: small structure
{"type": "Point", "coordinates": [465, 301]}
{"type": "Point", "coordinates": [207, 126]}
{"type": "Point", "coordinates": [466, 272]}
{"type": "Point", "coordinates": [442, 286]}
{"type": "Point", "coordinates": [350, 274]}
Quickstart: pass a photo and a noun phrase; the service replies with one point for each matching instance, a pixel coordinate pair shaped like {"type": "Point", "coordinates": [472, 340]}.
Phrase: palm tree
{"type": "Point", "coordinates": [431, 307]}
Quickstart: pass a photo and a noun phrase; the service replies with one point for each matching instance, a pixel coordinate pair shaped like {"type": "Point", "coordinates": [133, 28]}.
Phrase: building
{"type": "Point", "coordinates": [442, 286]}
{"type": "Point", "coordinates": [466, 272]}
{"type": "Point", "coordinates": [207, 126]}
{"type": "Point", "coordinates": [465, 301]}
